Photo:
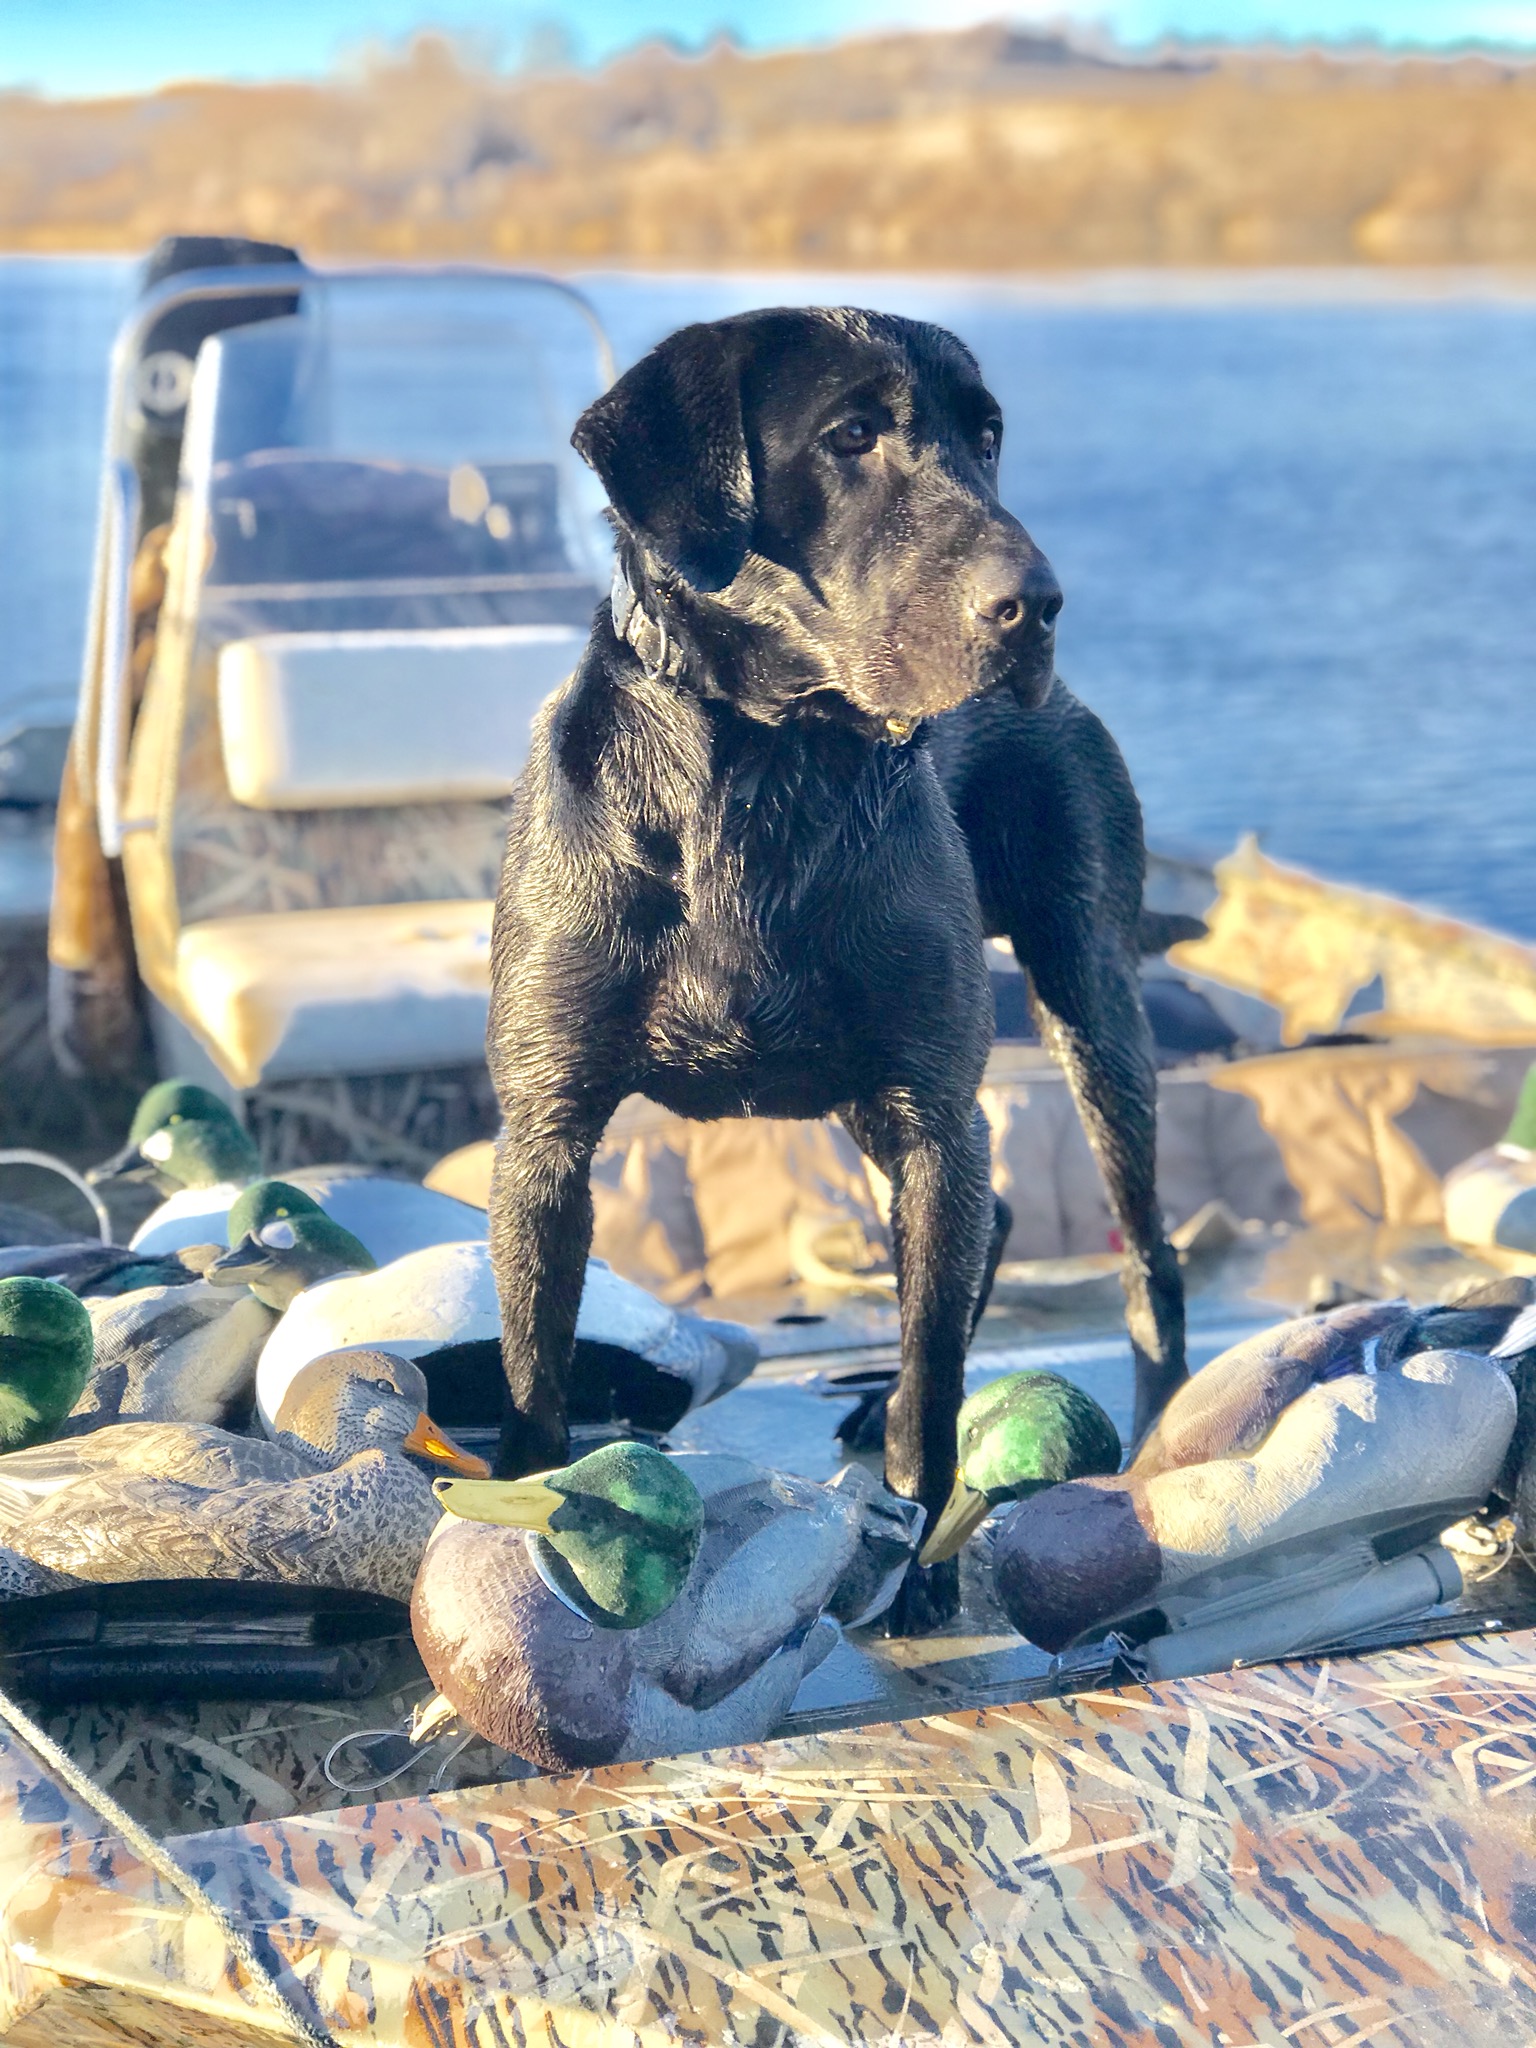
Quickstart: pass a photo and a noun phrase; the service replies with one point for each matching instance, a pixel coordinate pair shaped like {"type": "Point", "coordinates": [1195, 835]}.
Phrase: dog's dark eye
{"type": "Point", "coordinates": [857, 436]}
{"type": "Point", "coordinates": [987, 442]}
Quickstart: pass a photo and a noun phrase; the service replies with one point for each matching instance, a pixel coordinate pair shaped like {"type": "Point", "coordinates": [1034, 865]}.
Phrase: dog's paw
{"type": "Point", "coordinates": [926, 1599]}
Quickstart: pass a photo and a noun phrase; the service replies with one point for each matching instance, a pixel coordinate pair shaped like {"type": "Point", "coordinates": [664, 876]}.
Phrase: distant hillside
{"type": "Point", "coordinates": [986, 150]}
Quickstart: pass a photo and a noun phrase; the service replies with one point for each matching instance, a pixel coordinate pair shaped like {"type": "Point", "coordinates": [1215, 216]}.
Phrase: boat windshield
{"type": "Point", "coordinates": [398, 425]}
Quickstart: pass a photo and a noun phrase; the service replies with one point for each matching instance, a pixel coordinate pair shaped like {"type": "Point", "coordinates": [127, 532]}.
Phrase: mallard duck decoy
{"type": "Point", "coordinates": [635, 1605]}
{"type": "Point", "coordinates": [334, 1500]}
{"type": "Point", "coordinates": [1276, 1469]}
{"type": "Point", "coordinates": [187, 1143]}
{"type": "Point", "coordinates": [1023, 1432]}
{"type": "Point", "coordinates": [636, 1360]}
{"type": "Point", "coordinates": [45, 1359]}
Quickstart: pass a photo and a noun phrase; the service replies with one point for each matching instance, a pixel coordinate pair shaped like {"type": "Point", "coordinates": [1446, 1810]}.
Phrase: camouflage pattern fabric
{"type": "Point", "coordinates": [1311, 1856]}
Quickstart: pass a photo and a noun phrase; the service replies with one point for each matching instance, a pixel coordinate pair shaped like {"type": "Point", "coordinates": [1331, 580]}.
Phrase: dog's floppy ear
{"type": "Point", "coordinates": [668, 442]}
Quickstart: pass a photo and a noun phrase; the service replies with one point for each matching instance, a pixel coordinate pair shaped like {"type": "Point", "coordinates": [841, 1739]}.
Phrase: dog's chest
{"type": "Point", "coordinates": [755, 1000]}
{"type": "Point", "coordinates": [734, 987]}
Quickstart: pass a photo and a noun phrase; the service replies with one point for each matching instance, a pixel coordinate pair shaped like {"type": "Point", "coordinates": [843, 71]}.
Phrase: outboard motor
{"type": "Point", "coordinates": [162, 378]}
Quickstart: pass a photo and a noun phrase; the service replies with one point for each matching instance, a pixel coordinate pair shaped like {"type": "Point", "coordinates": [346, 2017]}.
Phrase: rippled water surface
{"type": "Point", "coordinates": [1296, 528]}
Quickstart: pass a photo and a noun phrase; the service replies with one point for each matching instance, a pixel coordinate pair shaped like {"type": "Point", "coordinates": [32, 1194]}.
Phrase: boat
{"type": "Point", "coordinates": [344, 551]}
{"type": "Point", "coordinates": [954, 1839]}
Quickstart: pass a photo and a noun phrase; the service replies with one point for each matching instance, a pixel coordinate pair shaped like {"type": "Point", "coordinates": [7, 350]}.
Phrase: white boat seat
{"type": "Point", "coordinates": [312, 721]}
{"type": "Point", "coordinates": [374, 989]}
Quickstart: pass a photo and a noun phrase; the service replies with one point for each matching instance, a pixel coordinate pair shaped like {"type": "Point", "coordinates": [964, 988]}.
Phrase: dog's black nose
{"type": "Point", "coordinates": [1014, 598]}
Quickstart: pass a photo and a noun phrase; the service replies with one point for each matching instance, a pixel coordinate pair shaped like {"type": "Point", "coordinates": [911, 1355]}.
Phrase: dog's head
{"type": "Point", "coordinates": [811, 499]}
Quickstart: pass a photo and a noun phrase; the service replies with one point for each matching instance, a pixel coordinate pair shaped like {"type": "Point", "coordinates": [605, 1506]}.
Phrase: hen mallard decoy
{"type": "Point", "coordinates": [636, 1605]}
{"type": "Point", "coordinates": [334, 1500]}
{"type": "Point", "coordinates": [45, 1359]}
{"type": "Point", "coordinates": [1231, 1403]}
{"type": "Point", "coordinates": [1023, 1432]}
{"type": "Point", "coordinates": [636, 1361]}
{"type": "Point", "coordinates": [188, 1144]}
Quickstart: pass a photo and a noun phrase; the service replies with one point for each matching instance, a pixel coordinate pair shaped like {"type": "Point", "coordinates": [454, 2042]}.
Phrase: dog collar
{"type": "Point", "coordinates": [654, 648]}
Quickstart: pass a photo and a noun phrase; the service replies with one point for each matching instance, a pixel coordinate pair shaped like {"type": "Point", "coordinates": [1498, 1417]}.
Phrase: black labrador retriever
{"type": "Point", "coordinates": [814, 750]}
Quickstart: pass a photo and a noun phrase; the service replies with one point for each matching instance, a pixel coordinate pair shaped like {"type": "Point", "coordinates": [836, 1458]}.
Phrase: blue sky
{"type": "Point", "coordinates": [68, 47]}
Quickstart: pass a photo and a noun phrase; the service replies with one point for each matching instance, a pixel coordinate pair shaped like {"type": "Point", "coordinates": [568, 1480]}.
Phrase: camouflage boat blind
{"type": "Point", "coordinates": [1318, 1855]}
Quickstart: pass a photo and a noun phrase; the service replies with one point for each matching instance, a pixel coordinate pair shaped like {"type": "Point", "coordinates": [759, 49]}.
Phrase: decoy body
{"type": "Point", "coordinates": [86, 1267]}
{"type": "Point", "coordinates": [637, 1360]}
{"type": "Point", "coordinates": [186, 1142]}
{"type": "Point", "coordinates": [633, 1605]}
{"type": "Point", "coordinates": [1231, 1405]}
{"type": "Point", "coordinates": [1490, 1199]}
{"type": "Point", "coordinates": [334, 1500]}
{"type": "Point", "coordinates": [173, 1354]}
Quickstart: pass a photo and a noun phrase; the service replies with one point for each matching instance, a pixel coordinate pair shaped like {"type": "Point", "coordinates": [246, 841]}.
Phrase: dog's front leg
{"type": "Point", "coordinates": [937, 1160]}
{"type": "Point", "coordinates": [540, 1232]}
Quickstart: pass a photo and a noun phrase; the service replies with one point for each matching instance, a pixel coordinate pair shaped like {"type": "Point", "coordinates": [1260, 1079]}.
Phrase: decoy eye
{"type": "Point", "coordinates": [384, 1386]}
{"type": "Point", "coordinates": [278, 1235]}
{"type": "Point", "coordinates": [989, 441]}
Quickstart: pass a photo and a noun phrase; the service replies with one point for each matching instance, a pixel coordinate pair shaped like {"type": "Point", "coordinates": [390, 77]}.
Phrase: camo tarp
{"type": "Point", "coordinates": [1318, 1855]}
{"type": "Point", "coordinates": [1309, 947]}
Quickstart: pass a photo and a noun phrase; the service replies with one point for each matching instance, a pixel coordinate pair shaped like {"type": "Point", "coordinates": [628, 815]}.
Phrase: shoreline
{"type": "Point", "coordinates": [1149, 286]}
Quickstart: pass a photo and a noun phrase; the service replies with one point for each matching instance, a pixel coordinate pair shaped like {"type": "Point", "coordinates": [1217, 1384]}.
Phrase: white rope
{"type": "Point", "coordinates": [295, 2024]}
{"type": "Point", "coordinates": [23, 1155]}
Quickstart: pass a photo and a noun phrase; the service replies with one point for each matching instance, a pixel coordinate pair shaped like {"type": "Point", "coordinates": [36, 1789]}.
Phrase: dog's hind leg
{"type": "Point", "coordinates": [937, 1160]}
{"type": "Point", "coordinates": [1089, 1013]}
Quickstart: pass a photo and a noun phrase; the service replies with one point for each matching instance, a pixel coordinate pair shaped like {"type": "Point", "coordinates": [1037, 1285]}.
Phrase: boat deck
{"type": "Point", "coordinates": [953, 1840]}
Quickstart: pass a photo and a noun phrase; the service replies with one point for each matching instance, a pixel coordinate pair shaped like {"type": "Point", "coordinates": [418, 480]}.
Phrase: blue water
{"type": "Point", "coordinates": [1296, 529]}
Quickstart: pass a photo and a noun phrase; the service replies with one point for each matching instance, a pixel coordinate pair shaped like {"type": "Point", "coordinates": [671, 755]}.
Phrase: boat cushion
{"type": "Point", "coordinates": [380, 988]}
{"type": "Point", "coordinates": [318, 720]}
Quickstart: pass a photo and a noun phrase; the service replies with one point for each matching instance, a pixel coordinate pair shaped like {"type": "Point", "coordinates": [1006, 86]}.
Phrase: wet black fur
{"type": "Point", "coordinates": [751, 886]}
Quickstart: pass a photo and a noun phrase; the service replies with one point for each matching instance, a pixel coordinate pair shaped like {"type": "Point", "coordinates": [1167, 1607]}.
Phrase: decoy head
{"type": "Point", "coordinates": [620, 1528]}
{"type": "Point", "coordinates": [46, 1350]}
{"type": "Point", "coordinates": [280, 1242]}
{"type": "Point", "coordinates": [345, 1402]}
{"type": "Point", "coordinates": [1026, 1431]}
{"type": "Point", "coordinates": [182, 1136]}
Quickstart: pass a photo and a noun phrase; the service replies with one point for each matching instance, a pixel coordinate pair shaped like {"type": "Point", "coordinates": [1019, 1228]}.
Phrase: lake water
{"type": "Point", "coordinates": [1295, 520]}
